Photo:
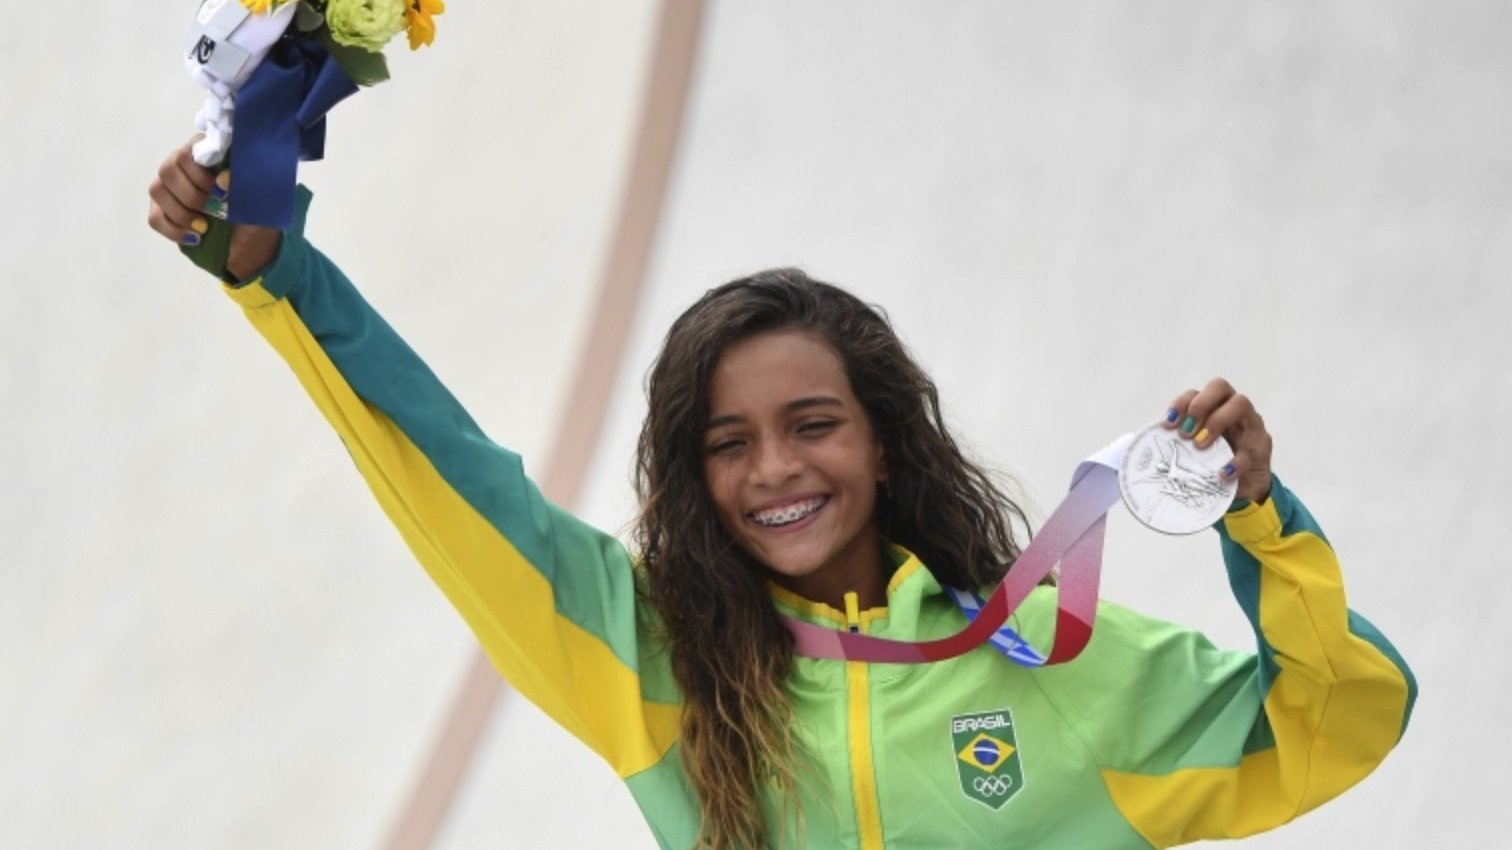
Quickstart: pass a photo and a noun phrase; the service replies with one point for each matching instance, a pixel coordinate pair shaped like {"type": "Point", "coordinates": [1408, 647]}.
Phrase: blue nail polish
{"type": "Point", "coordinates": [217, 192]}
{"type": "Point", "coordinates": [1228, 470]}
{"type": "Point", "coordinates": [190, 239]}
{"type": "Point", "coordinates": [1171, 415]}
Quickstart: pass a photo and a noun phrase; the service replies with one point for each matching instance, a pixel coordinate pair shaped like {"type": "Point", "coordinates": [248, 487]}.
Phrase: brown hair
{"type": "Point", "coordinates": [729, 652]}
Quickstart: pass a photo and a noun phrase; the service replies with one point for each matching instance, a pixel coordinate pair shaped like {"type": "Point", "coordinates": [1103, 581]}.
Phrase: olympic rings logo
{"type": "Point", "coordinates": [992, 786]}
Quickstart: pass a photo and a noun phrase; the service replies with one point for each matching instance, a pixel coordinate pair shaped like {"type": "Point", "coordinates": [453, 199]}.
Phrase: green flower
{"type": "Point", "coordinates": [368, 24]}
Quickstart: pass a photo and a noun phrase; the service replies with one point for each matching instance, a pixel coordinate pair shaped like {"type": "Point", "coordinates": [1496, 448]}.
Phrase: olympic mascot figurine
{"type": "Point", "coordinates": [272, 69]}
{"type": "Point", "coordinates": [226, 44]}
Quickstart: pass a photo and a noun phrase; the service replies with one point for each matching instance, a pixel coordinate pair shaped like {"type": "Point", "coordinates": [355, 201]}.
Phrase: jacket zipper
{"type": "Point", "coordinates": [863, 771]}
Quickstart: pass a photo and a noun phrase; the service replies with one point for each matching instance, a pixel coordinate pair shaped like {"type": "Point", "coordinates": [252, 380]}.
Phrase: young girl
{"type": "Point", "coordinates": [794, 461]}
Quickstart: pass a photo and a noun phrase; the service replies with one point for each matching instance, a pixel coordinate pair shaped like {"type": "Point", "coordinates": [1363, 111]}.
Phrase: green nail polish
{"type": "Point", "coordinates": [216, 207]}
{"type": "Point", "coordinates": [1188, 424]}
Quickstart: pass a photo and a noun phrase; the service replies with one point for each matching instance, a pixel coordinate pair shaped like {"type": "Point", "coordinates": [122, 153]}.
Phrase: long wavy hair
{"type": "Point", "coordinates": [729, 652]}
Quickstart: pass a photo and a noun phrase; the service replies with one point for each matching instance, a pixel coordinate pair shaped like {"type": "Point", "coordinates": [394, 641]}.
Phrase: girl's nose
{"type": "Point", "coordinates": [774, 463]}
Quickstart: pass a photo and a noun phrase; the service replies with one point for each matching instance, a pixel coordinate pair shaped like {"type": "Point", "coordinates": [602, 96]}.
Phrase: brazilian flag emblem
{"type": "Point", "coordinates": [987, 757]}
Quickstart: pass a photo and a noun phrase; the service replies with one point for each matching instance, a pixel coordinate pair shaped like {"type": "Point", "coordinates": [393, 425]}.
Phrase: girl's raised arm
{"type": "Point", "coordinates": [552, 600]}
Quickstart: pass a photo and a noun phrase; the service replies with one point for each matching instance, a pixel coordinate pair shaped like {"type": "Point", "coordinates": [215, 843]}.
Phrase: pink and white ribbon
{"type": "Point", "coordinates": [1072, 537]}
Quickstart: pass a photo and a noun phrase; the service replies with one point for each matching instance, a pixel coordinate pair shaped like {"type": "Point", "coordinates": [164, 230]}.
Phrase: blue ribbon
{"type": "Point", "coordinates": [280, 120]}
{"type": "Point", "coordinates": [1006, 640]}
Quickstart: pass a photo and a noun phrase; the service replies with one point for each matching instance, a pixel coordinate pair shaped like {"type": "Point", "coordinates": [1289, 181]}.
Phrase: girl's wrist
{"type": "Point", "coordinates": [253, 249]}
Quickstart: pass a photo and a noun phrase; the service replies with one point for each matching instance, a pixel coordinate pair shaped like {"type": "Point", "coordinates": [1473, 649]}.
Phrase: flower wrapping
{"type": "Point", "coordinates": [272, 69]}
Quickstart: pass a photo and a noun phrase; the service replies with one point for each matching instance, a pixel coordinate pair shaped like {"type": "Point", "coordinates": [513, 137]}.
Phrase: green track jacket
{"type": "Point", "coordinates": [1151, 738]}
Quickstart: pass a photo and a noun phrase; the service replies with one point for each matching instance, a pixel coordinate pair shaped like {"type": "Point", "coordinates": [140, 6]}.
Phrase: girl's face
{"type": "Point", "coordinates": [792, 463]}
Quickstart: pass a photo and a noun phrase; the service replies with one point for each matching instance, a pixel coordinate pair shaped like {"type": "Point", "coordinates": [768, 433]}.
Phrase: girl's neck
{"type": "Point", "coordinates": [864, 573]}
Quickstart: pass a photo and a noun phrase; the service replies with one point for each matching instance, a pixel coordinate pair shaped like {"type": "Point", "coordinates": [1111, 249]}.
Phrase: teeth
{"type": "Point", "coordinates": [789, 513]}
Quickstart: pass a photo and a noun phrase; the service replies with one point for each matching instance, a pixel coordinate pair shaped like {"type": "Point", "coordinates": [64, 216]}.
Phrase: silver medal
{"type": "Point", "coordinates": [1171, 485]}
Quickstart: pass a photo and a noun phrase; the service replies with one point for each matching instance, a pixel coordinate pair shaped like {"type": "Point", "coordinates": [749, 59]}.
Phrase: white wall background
{"type": "Point", "coordinates": [208, 636]}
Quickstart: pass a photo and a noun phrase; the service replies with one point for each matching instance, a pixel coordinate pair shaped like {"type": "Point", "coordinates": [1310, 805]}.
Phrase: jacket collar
{"type": "Point", "coordinates": [910, 584]}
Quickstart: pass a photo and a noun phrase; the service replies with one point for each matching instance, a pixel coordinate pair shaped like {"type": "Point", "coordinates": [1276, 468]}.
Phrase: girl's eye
{"type": "Point", "coordinates": [725, 447]}
{"type": "Point", "coordinates": [817, 427]}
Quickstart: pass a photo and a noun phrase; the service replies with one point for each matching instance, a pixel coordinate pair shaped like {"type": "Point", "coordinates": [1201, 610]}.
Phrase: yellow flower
{"type": "Point", "coordinates": [258, 7]}
{"type": "Point", "coordinates": [422, 30]}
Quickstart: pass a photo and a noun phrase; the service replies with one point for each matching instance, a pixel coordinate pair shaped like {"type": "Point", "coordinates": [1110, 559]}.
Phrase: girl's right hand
{"type": "Point", "coordinates": [179, 194]}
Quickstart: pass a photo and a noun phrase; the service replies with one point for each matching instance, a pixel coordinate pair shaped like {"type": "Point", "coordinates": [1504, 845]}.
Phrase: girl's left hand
{"type": "Point", "coordinates": [1219, 410]}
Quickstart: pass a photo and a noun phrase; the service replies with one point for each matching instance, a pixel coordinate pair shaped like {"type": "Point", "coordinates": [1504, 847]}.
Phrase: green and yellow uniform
{"type": "Point", "coordinates": [1151, 738]}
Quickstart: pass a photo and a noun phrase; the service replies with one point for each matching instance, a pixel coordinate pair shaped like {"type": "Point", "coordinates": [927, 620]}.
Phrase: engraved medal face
{"type": "Point", "coordinates": [1172, 486]}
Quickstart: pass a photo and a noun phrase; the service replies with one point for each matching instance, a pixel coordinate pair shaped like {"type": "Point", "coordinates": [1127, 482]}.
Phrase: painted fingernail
{"type": "Point", "coordinates": [1171, 416]}
{"type": "Point", "coordinates": [1201, 435]}
{"type": "Point", "coordinates": [216, 207]}
{"type": "Point", "coordinates": [1188, 424]}
{"type": "Point", "coordinates": [190, 239]}
{"type": "Point", "coordinates": [1228, 470]}
{"type": "Point", "coordinates": [200, 225]}
{"type": "Point", "coordinates": [222, 184]}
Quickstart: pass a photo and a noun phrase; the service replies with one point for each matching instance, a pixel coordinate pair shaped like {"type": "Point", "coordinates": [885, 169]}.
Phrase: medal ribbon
{"type": "Point", "coordinates": [1004, 640]}
{"type": "Point", "coordinates": [1072, 537]}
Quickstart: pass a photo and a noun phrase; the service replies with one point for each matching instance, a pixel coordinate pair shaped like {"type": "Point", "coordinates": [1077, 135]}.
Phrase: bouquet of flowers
{"type": "Point", "coordinates": [272, 69]}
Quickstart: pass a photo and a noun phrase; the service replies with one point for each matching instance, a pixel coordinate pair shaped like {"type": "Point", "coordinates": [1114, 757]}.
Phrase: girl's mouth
{"type": "Point", "coordinates": [789, 514]}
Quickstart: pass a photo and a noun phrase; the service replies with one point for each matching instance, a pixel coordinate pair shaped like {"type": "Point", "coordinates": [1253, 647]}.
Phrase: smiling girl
{"type": "Point", "coordinates": [794, 462]}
